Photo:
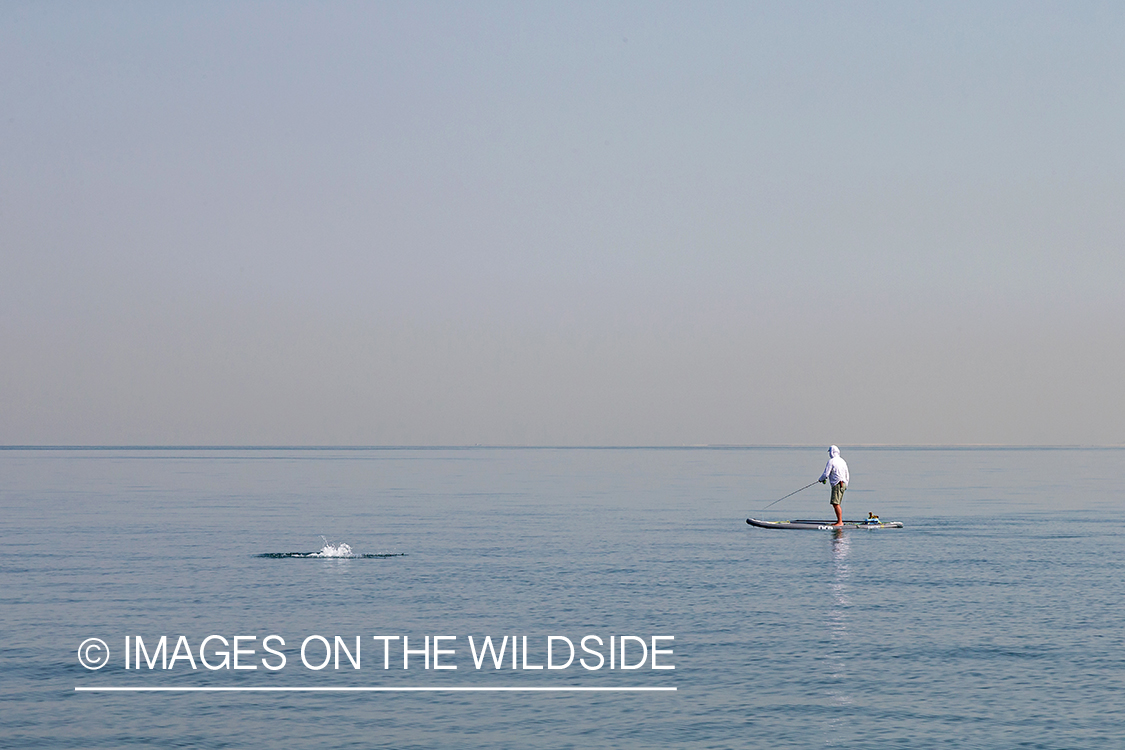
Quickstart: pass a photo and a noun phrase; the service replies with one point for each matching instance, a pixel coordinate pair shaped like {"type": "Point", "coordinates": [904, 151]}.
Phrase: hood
{"type": "Point", "coordinates": [833, 451]}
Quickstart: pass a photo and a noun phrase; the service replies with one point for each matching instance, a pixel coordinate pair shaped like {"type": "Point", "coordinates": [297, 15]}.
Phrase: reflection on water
{"type": "Point", "coordinates": [838, 628]}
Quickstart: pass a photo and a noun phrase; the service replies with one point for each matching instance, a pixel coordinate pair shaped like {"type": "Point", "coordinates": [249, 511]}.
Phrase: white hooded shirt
{"type": "Point", "coordinates": [836, 470]}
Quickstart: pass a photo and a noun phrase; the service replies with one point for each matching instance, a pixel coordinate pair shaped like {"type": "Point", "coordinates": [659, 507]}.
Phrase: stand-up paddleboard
{"type": "Point", "coordinates": [870, 523]}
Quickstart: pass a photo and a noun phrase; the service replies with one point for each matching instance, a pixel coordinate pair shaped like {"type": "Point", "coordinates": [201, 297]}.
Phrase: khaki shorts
{"type": "Point", "coordinates": [838, 493]}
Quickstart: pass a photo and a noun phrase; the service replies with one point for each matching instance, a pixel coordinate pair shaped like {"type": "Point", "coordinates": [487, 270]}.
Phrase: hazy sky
{"type": "Point", "coordinates": [562, 223]}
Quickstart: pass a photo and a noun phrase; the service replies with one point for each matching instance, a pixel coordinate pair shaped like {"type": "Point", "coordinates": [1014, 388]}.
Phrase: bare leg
{"type": "Point", "coordinates": [839, 514]}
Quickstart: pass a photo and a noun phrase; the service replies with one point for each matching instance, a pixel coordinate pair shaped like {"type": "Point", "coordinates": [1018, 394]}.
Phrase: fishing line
{"type": "Point", "coordinates": [791, 494]}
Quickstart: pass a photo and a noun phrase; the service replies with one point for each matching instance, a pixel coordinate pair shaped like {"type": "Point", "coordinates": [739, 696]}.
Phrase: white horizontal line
{"type": "Point", "coordinates": [374, 689]}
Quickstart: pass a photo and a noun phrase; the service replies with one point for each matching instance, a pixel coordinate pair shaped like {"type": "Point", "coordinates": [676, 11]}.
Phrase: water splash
{"type": "Point", "coordinates": [341, 551]}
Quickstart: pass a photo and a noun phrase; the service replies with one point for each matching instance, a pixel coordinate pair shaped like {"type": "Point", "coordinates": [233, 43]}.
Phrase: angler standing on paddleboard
{"type": "Point", "coordinates": [836, 474]}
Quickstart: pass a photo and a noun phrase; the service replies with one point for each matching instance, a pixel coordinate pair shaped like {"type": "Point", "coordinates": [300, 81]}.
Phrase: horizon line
{"type": "Point", "coordinates": [483, 446]}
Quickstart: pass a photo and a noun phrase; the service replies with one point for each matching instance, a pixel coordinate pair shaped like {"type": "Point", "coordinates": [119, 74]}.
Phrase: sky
{"type": "Point", "coordinates": [562, 223]}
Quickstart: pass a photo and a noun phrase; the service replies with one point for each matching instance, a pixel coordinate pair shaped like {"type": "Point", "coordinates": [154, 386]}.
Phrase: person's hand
{"type": "Point", "coordinates": [824, 481]}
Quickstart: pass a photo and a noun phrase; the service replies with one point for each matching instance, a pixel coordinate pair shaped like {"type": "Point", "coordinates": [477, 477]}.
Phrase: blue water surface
{"type": "Point", "coordinates": [992, 620]}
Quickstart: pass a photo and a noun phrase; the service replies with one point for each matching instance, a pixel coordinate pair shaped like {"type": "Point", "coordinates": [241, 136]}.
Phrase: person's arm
{"type": "Point", "coordinates": [824, 476]}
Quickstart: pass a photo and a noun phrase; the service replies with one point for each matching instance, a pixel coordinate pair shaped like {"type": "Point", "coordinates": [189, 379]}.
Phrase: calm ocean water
{"type": "Point", "coordinates": [992, 620]}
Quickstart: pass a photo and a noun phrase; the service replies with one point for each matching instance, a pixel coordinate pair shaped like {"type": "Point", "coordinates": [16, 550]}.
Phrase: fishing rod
{"type": "Point", "coordinates": [791, 494]}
